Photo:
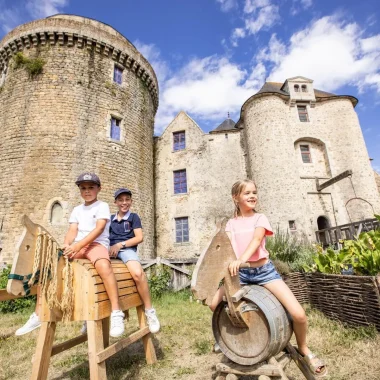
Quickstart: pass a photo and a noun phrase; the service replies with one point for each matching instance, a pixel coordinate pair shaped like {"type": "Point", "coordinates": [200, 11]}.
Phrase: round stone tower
{"type": "Point", "coordinates": [306, 152]}
{"type": "Point", "coordinates": [75, 96]}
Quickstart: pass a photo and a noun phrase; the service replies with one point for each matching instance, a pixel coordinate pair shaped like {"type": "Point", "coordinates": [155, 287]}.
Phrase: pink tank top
{"type": "Point", "coordinates": [242, 230]}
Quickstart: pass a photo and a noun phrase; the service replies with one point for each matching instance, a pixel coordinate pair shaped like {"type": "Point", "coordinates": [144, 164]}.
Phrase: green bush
{"type": "Point", "coordinates": [293, 251]}
{"type": "Point", "coordinates": [159, 280]}
{"type": "Point", "coordinates": [34, 66]}
{"type": "Point", "coordinates": [362, 255]}
{"type": "Point", "coordinates": [18, 304]}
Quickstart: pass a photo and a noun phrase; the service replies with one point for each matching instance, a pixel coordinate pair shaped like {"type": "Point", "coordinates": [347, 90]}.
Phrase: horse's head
{"type": "Point", "coordinates": [211, 266]}
{"type": "Point", "coordinates": [24, 257]}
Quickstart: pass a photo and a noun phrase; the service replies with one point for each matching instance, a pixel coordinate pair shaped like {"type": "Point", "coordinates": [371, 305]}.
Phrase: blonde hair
{"type": "Point", "coordinates": [237, 188]}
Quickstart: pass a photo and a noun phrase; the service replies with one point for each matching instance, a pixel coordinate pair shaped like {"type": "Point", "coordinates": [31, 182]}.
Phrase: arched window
{"type": "Point", "coordinates": [296, 88]}
{"type": "Point", "coordinates": [56, 214]}
{"type": "Point", "coordinates": [304, 88]}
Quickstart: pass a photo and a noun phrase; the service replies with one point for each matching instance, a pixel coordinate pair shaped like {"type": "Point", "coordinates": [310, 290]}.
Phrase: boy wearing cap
{"type": "Point", "coordinates": [88, 237]}
{"type": "Point", "coordinates": [125, 234]}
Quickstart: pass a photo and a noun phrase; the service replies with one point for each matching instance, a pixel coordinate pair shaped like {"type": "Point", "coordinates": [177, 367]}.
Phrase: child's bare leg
{"type": "Point", "coordinates": [282, 292]}
{"type": "Point", "coordinates": [290, 303]}
{"type": "Point", "coordinates": [141, 281]}
{"type": "Point", "coordinates": [218, 297]}
{"type": "Point", "coordinates": [105, 271]}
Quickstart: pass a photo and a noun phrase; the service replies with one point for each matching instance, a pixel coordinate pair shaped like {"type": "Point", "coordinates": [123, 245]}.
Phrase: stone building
{"type": "Point", "coordinates": [91, 109]}
{"type": "Point", "coordinates": [76, 95]}
{"type": "Point", "coordinates": [290, 139]}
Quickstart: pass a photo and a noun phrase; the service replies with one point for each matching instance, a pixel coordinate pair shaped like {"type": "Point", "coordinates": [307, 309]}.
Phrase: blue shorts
{"type": "Point", "coordinates": [128, 254]}
{"type": "Point", "coordinates": [259, 276]}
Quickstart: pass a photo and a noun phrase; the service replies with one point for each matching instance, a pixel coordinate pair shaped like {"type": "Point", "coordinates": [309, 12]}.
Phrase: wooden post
{"type": "Point", "coordinates": [95, 345]}
{"type": "Point", "coordinates": [106, 331]}
{"type": "Point", "coordinates": [150, 352]}
{"type": "Point", "coordinates": [43, 351]}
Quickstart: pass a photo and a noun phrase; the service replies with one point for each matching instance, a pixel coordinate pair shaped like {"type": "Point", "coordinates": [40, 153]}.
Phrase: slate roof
{"type": "Point", "coordinates": [227, 125]}
{"type": "Point", "coordinates": [276, 88]}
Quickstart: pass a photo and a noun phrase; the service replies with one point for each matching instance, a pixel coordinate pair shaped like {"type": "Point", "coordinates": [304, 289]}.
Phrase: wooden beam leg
{"type": "Point", "coordinates": [150, 352]}
{"type": "Point", "coordinates": [43, 351]}
{"type": "Point", "coordinates": [95, 345]}
{"type": "Point", "coordinates": [106, 331]}
{"type": "Point", "coordinates": [300, 363]}
{"type": "Point", "coordinates": [273, 361]}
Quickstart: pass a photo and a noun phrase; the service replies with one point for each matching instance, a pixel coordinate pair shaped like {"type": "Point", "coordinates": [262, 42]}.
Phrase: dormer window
{"type": "Point", "coordinates": [304, 88]}
{"type": "Point", "coordinates": [296, 88]}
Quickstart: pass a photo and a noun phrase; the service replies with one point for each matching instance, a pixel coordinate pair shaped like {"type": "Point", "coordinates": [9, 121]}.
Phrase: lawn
{"type": "Point", "coordinates": [184, 347]}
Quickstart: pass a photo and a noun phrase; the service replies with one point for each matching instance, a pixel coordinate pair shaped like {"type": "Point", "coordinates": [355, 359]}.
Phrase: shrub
{"type": "Point", "coordinates": [294, 251]}
{"type": "Point", "coordinates": [361, 255]}
{"type": "Point", "coordinates": [34, 66]}
{"type": "Point", "coordinates": [18, 304]}
{"type": "Point", "coordinates": [159, 280]}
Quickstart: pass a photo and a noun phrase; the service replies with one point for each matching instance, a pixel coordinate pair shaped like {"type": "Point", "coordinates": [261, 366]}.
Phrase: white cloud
{"type": "Point", "coordinates": [266, 18]}
{"type": "Point", "coordinates": [330, 51]}
{"type": "Point", "coordinates": [10, 17]}
{"type": "Point", "coordinates": [207, 89]}
{"type": "Point", "coordinates": [45, 8]}
{"type": "Point", "coordinates": [227, 5]}
{"type": "Point", "coordinates": [251, 5]}
{"type": "Point", "coordinates": [236, 34]}
{"type": "Point", "coordinates": [153, 55]}
{"type": "Point", "coordinates": [299, 5]}
{"type": "Point", "coordinates": [258, 15]}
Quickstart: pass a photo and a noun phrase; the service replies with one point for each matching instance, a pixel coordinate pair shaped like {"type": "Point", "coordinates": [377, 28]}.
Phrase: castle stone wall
{"type": "Point", "coordinates": [213, 162]}
{"type": "Point", "coordinates": [287, 186]}
{"type": "Point", "coordinates": [57, 124]}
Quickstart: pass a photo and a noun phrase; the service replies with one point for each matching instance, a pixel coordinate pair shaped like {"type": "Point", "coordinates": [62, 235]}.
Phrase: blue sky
{"type": "Point", "coordinates": [211, 55]}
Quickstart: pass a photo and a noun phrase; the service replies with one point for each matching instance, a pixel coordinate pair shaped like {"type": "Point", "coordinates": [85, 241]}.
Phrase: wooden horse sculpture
{"type": "Point", "coordinates": [250, 325]}
{"type": "Point", "coordinates": [75, 292]}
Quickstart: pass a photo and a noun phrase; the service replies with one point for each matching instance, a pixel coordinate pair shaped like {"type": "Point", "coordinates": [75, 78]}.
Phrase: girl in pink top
{"type": "Point", "coordinates": [247, 231]}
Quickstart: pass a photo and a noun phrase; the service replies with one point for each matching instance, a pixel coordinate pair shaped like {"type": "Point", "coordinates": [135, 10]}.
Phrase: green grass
{"type": "Point", "coordinates": [184, 347]}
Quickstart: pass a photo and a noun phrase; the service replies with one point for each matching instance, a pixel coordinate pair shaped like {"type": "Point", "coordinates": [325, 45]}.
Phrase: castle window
{"type": "Point", "coordinates": [292, 225]}
{"type": "Point", "coordinates": [304, 88]}
{"type": "Point", "coordinates": [302, 113]}
{"type": "Point", "coordinates": [117, 74]}
{"type": "Point", "coordinates": [179, 140]}
{"type": "Point", "coordinates": [56, 214]}
{"type": "Point", "coordinates": [305, 154]}
{"type": "Point", "coordinates": [180, 181]}
{"type": "Point", "coordinates": [115, 129]}
{"type": "Point", "coordinates": [296, 88]}
{"type": "Point", "coordinates": [182, 230]}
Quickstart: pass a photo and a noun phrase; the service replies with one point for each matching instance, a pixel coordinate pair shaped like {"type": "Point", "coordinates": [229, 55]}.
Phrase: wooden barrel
{"type": "Point", "coordinates": [268, 333]}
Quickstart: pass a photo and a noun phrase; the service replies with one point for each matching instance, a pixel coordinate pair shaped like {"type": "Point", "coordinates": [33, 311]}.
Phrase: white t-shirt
{"type": "Point", "coordinates": [87, 216]}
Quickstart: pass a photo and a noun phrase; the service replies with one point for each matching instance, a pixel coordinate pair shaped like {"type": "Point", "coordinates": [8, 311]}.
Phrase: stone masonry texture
{"type": "Point", "coordinates": [57, 124]}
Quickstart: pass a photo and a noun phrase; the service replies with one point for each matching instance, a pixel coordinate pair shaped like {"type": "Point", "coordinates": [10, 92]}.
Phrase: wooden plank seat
{"type": "Point", "coordinates": [89, 301]}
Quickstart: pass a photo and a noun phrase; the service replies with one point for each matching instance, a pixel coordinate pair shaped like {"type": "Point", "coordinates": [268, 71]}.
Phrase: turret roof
{"type": "Point", "coordinates": [227, 125]}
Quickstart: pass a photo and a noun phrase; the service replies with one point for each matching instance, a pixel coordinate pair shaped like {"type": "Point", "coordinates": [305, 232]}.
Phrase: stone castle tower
{"type": "Point", "coordinates": [91, 109]}
{"type": "Point", "coordinates": [290, 139]}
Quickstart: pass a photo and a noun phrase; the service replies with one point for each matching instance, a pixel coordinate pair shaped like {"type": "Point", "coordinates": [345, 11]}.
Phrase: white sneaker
{"type": "Point", "coordinates": [83, 330]}
{"type": "Point", "coordinates": [32, 323]}
{"type": "Point", "coordinates": [153, 322]}
{"type": "Point", "coordinates": [117, 323]}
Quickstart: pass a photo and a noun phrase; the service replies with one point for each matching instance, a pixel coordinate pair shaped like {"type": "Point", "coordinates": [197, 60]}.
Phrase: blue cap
{"type": "Point", "coordinates": [122, 190]}
{"type": "Point", "coordinates": [88, 177]}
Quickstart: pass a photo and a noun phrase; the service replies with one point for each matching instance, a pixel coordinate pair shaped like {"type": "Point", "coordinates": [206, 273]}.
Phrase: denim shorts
{"type": "Point", "coordinates": [259, 276]}
{"type": "Point", "coordinates": [128, 254]}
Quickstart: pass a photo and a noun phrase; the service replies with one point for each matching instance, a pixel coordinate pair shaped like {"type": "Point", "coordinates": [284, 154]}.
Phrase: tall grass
{"type": "Point", "coordinates": [290, 252]}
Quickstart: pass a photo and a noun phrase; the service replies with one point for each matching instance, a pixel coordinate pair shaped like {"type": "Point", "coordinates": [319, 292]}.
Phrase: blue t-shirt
{"type": "Point", "coordinates": [123, 230]}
